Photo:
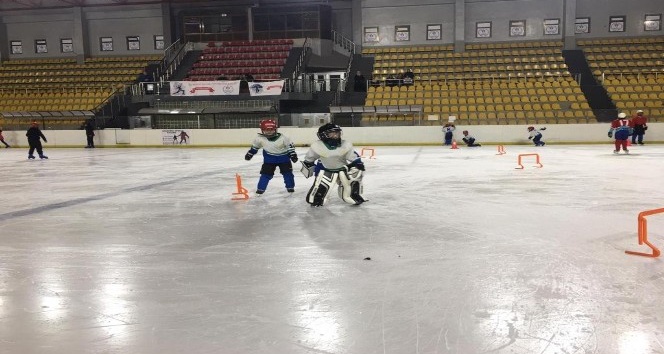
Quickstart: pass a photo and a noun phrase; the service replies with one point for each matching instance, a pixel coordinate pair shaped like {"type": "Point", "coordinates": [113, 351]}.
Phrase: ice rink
{"type": "Point", "coordinates": [142, 251]}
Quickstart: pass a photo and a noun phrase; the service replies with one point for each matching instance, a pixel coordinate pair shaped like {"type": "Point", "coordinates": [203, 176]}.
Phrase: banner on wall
{"type": "Point", "coordinates": [175, 137]}
{"type": "Point", "coordinates": [205, 88]}
{"type": "Point", "coordinates": [267, 88]}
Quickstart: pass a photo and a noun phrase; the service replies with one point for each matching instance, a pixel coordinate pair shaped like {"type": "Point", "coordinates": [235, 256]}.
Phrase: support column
{"type": "Point", "coordinates": [80, 37]}
{"type": "Point", "coordinates": [569, 24]}
{"type": "Point", "coordinates": [250, 24]}
{"type": "Point", "coordinates": [166, 24]}
{"type": "Point", "coordinates": [4, 42]}
{"type": "Point", "coordinates": [356, 22]}
{"type": "Point", "coordinates": [459, 26]}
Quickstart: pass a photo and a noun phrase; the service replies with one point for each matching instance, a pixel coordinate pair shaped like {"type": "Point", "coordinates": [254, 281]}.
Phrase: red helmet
{"type": "Point", "coordinates": [465, 132]}
{"type": "Point", "coordinates": [530, 129]}
{"type": "Point", "coordinates": [268, 125]}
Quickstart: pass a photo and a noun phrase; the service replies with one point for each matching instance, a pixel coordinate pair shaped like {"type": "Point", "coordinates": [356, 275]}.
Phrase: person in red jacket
{"type": "Point", "coordinates": [2, 139]}
{"type": "Point", "coordinates": [640, 123]}
{"type": "Point", "coordinates": [621, 129]}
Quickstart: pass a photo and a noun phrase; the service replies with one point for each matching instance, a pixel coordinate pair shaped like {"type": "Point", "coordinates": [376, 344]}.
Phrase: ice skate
{"type": "Point", "coordinates": [290, 190]}
{"type": "Point", "coordinates": [616, 152]}
{"type": "Point", "coordinates": [259, 191]}
{"type": "Point", "coordinates": [31, 157]}
{"type": "Point", "coordinates": [42, 157]}
{"type": "Point", "coordinates": [626, 151]}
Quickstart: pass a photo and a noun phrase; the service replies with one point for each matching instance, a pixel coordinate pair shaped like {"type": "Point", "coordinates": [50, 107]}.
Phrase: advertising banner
{"type": "Point", "coordinates": [267, 88]}
{"type": "Point", "coordinates": [205, 88]}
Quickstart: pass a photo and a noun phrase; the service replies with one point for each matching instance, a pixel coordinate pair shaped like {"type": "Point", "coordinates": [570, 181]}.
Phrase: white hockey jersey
{"type": "Point", "coordinates": [333, 159]}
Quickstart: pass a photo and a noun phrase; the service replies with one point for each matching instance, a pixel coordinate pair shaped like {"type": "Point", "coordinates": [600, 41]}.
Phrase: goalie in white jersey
{"type": "Point", "coordinates": [278, 151]}
{"type": "Point", "coordinates": [339, 165]}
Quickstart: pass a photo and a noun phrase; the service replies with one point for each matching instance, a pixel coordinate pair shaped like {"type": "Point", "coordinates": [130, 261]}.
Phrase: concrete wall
{"type": "Point", "coordinates": [36, 25]}
{"type": "Point", "coordinates": [500, 13]}
{"type": "Point", "coordinates": [500, 134]}
{"type": "Point", "coordinates": [143, 21]}
{"type": "Point", "coordinates": [634, 10]}
{"type": "Point", "coordinates": [386, 14]}
{"type": "Point", "coordinates": [52, 25]}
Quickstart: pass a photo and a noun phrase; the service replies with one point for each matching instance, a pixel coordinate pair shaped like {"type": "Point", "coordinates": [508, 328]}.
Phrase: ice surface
{"type": "Point", "coordinates": [143, 251]}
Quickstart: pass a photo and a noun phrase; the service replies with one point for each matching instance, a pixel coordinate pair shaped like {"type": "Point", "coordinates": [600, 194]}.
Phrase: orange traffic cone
{"type": "Point", "coordinates": [454, 144]}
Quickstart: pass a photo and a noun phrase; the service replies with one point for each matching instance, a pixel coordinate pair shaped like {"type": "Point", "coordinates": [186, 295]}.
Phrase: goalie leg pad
{"type": "Point", "coordinates": [318, 194]}
{"type": "Point", "coordinates": [350, 186]}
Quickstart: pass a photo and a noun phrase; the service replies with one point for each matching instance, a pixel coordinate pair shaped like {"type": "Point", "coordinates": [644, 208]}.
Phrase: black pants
{"type": "Point", "coordinates": [35, 145]}
{"type": "Point", "coordinates": [91, 142]}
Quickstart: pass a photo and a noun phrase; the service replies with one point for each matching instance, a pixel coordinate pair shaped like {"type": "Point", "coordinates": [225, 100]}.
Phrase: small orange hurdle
{"type": "Point", "coordinates": [242, 193]}
{"type": "Point", "coordinates": [643, 234]}
{"type": "Point", "coordinates": [501, 150]}
{"type": "Point", "coordinates": [537, 160]}
{"type": "Point", "coordinates": [454, 144]}
{"type": "Point", "coordinates": [368, 149]}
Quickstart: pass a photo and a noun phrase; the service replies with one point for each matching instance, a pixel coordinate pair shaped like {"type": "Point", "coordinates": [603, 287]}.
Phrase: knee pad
{"type": "Point", "coordinates": [268, 169]}
{"type": "Point", "coordinates": [350, 186]}
{"type": "Point", "coordinates": [318, 193]}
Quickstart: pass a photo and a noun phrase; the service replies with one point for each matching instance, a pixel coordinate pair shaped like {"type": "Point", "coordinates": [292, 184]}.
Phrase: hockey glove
{"type": "Point", "coordinates": [307, 169]}
{"type": "Point", "coordinates": [610, 134]}
{"type": "Point", "coordinates": [645, 128]}
{"type": "Point", "coordinates": [293, 158]}
{"type": "Point", "coordinates": [530, 137]}
{"type": "Point", "coordinates": [248, 156]}
{"type": "Point", "coordinates": [357, 164]}
{"type": "Point", "coordinates": [542, 128]}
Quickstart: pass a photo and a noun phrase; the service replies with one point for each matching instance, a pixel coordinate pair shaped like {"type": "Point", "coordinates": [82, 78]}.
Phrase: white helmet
{"type": "Point", "coordinates": [622, 115]}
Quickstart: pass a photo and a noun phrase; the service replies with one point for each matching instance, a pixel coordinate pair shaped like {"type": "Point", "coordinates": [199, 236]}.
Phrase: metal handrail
{"type": "Point", "coordinates": [343, 41]}
{"type": "Point", "coordinates": [301, 60]}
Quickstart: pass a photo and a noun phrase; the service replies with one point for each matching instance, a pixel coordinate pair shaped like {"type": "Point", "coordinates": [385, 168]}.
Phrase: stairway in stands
{"type": "Point", "coordinates": [596, 95]}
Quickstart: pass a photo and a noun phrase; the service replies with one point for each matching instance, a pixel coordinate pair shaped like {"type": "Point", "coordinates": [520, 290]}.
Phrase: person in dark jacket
{"type": "Point", "coordinates": [359, 82]}
{"type": "Point", "coordinates": [90, 134]}
{"type": "Point", "coordinates": [34, 135]}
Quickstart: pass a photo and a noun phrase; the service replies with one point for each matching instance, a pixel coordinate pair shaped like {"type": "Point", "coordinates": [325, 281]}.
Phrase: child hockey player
{"type": "Point", "coordinates": [536, 136]}
{"type": "Point", "coordinates": [620, 130]}
{"type": "Point", "coordinates": [339, 165]}
{"type": "Point", "coordinates": [469, 139]}
{"type": "Point", "coordinates": [34, 135]}
{"type": "Point", "coordinates": [448, 130]}
{"type": "Point", "coordinates": [278, 151]}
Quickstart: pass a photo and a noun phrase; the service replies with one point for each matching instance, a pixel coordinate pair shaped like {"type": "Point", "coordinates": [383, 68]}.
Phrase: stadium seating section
{"type": "Point", "coordinates": [514, 83]}
{"type": "Point", "coordinates": [632, 70]}
{"type": "Point", "coordinates": [63, 85]}
{"type": "Point", "coordinates": [263, 59]}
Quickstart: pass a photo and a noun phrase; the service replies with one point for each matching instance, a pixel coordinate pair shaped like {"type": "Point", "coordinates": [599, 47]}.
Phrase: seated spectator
{"type": "Point", "coordinates": [145, 77]}
{"type": "Point", "coordinates": [408, 77]}
{"type": "Point", "coordinates": [391, 81]}
{"type": "Point", "coordinates": [359, 82]}
{"type": "Point", "coordinates": [375, 82]}
{"type": "Point", "coordinates": [400, 79]}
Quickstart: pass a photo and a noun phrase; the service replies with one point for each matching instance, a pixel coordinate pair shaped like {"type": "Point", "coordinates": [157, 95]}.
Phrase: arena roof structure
{"type": "Point", "coordinates": [10, 5]}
